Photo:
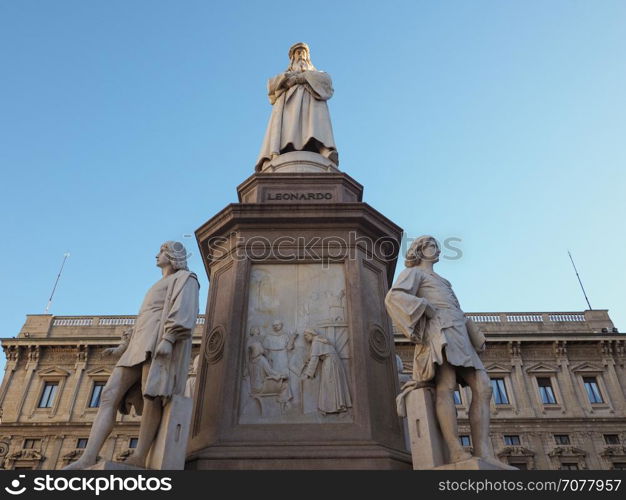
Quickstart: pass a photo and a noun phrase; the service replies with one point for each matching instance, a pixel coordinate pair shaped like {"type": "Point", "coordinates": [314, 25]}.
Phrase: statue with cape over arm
{"type": "Point", "coordinates": [425, 309]}
{"type": "Point", "coordinates": [155, 357]}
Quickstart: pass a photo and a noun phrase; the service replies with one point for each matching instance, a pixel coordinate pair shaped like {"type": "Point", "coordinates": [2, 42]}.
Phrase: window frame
{"type": "Point", "coordinates": [506, 391]}
{"type": "Point", "coordinates": [557, 442]}
{"type": "Point", "coordinates": [35, 444]}
{"type": "Point", "coordinates": [96, 383]}
{"type": "Point", "coordinates": [510, 438]}
{"type": "Point", "coordinates": [541, 390]}
{"type": "Point", "coordinates": [597, 387]}
{"type": "Point", "coordinates": [51, 396]}
{"type": "Point", "coordinates": [49, 375]}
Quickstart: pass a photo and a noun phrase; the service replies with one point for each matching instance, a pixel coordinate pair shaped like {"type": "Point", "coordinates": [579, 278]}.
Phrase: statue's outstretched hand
{"type": "Point", "coordinates": [111, 351]}
{"type": "Point", "coordinates": [164, 348]}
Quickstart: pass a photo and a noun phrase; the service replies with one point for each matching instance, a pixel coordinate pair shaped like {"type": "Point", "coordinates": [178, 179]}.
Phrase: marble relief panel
{"type": "Point", "coordinates": [297, 349]}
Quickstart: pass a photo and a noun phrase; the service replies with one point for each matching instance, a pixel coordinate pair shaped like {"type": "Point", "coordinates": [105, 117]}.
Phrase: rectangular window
{"type": "Point", "coordinates": [47, 396]}
{"type": "Point", "coordinates": [545, 391]}
{"type": "Point", "coordinates": [519, 465]}
{"type": "Point", "coordinates": [611, 439]}
{"type": "Point", "coordinates": [619, 465]}
{"type": "Point", "coordinates": [512, 440]}
{"type": "Point", "coordinates": [593, 391]}
{"type": "Point", "coordinates": [500, 397]}
{"type": "Point", "coordinates": [457, 396]}
{"type": "Point", "coordinates": [465, 440]}
{"type": "Point", "coordinates": [81, 443]}
{"type": "Point", "coordinates": [94, 401]}
{"type": "Point", "coordinates": [561, 439]}
{"type": "Point", "coordinates": [569, 466]}
{"type": "Point", "coordinates": [133, 442]}
{"type": "Point", "coordinates": [29, 444]}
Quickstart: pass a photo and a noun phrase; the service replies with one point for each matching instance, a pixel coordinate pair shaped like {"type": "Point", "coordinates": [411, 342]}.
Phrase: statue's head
{"type": "Point", "coordinates": [254, 331]}
{"type": "Point", "coordinates": [277, 326]}
{"type": "Point", "coordinates": [309, 335]}
{"type": "Point", "coordinates": [423, 248]}
{"type": "Point", "coordinates": [300, 57]}
{"type": "Point", "coordinates": [174, 253]}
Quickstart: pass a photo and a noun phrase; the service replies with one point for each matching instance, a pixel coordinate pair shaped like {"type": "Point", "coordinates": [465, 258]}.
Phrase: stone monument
{"type": "Point", "coordinates": [297, 364]}
{"type": "Point", "coordinates": [425, 309]}
{"type": "Point", "coordinates": [152, 371]}
{"type": "Point", "coordinates": [299, 136]}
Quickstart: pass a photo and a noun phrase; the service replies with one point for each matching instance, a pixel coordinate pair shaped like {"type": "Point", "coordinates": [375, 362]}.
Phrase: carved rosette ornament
{"type": "Point", "coordinates": [214, 347]}
{"type": "Point", "coordinates": [380, 346]}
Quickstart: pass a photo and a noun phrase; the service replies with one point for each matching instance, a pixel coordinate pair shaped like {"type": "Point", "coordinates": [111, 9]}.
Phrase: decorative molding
{"type": "Point", "coordinates": [379, 343]}
{"type": "Point", "coordinates": [587, 367]}
{"type": "Point", "coordinates": [542, 368]}
{"type": "Point", "coordinates": [53, 373]}
{"type": "Point", "coordinates": [498, 368]}
{"type": "Point", "coordinates": [99, 371]}
{"type": "Point", "coordinates": [567, 451]}
{"type": "Point", "coordinates": [214, 346]}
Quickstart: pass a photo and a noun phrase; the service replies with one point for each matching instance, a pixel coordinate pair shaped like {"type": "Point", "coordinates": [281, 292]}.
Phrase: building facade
{"type": "Point", "coordinates": [558, 378]}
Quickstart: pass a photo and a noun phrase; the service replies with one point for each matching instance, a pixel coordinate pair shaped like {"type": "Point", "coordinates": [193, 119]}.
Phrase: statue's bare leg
{"type": "Point", "coordinates": [118, 384]}
{"type": "Point", "coordinates": [480, 384]}
{"type": "Point", "coordinates": [150, 421]}
{"type": "Point", "coordinates": [445, 382]}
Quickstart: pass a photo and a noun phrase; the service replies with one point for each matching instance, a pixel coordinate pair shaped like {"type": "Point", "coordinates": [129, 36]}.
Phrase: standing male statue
{"type": "Point", "coordinates": [425, 309]}
{"type": "Point", "coordinates": [300, 120]}
{"type": "Point", "coordinates": [155, 357]}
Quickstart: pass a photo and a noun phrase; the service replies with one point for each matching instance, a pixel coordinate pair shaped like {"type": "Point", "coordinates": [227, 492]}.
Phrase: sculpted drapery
{"type": "Point", "coordinates": [169, 311]}
{"type": "Point", "coordinates": [450, 329]}
{"type": "Point", "coordinates": [300, 120]}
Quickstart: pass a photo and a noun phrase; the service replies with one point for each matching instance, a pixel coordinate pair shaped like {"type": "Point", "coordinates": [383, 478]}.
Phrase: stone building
{"type": "Point", "coordinates": [559, 389]}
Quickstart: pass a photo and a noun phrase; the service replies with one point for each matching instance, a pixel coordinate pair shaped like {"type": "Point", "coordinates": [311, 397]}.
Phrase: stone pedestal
{"type": "Point", "coordinates": [476, 463]}
{"type": "Point", "coordinates": [314, 258]}
{"type": "Point", "coordinates": [427, 447]}
{"type": "Point", "coordinates": [300, 162]}
{"type": "Point", "coordinates": [170, 445]}
{"type": "Point", "coordinates": [111, 465]}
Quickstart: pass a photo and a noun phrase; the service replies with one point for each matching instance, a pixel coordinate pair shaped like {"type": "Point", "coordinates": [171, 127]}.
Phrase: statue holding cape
{"type": "Point", "coordinates": [154, 360]}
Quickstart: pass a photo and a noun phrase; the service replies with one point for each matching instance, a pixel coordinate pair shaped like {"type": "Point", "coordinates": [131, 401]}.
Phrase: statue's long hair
{"type": "Point", "coordinates": [177, 254]}
{"type": "Point", "coordinates": [414, 254]}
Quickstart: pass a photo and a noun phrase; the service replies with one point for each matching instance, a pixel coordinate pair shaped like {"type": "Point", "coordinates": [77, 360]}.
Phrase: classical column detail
{"type": "Point", "coordinates": [82, 355]}
{"type": "Point", "coordinates": [31, 366]}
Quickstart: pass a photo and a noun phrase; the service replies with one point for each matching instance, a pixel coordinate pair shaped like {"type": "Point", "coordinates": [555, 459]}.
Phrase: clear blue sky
{"type": "Point", "coordinates": [124, 124]}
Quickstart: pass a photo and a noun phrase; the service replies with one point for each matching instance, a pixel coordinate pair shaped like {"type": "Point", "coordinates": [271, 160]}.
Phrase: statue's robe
{"type": "Point", "coordinates": [334, 395]}
{"type": "Point", "coordinates": [169, 311]}
{"type": "Point", "coordinates": [449, 330]}
{"type": "Point", "coordinates": [299, 116]}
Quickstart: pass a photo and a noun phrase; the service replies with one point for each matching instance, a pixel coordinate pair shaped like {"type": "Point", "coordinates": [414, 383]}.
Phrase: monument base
{"type": "Point", "coordinates": [476, 463]}
{"type": "Point", "coordinates": [307, 457]}
{"type": "Point", "coordinates": [110, 465]}
{"type": "Point", "coordinates": [427, 446]}
{"type": "Point", "coordinates": [300, 162]}
{"type": "Point", "coordinates": [300, 266]}
{"type": "Point", "coordinates": [170, 445]}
